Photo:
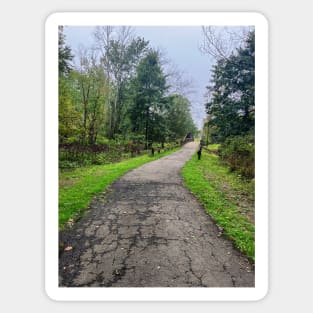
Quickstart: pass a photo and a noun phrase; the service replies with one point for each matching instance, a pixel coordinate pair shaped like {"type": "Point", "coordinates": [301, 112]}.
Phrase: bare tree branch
{"type": "Point", "coordinates": [221, 41]}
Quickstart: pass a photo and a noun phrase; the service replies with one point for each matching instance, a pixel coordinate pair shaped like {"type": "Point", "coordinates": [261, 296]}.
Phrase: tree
{"type": "Point", "coordinates": [65, 54]}
{"type": "Point", "coordinates": [220, 42]}
{"type": "Point", "coordinates": [120, 54]}
{"type": "Point", "coordinates": [68, 115]}
{"type": "Point", "coordinates": [91, 87]}
{"type": "Point", "coordinates": [149, 87]}
{"type": "Point", "coordinates": [179, 118]}
{"type": "Point", "coordinates": [231, 104]}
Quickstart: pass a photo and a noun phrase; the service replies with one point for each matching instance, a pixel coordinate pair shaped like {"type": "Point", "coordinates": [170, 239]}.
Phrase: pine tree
{"type": "Point", "coordinates": [232, 103]}
{"type": "Point", "coordinates": [149, 98]}
{"type": "Point", "coordinates": [65, 54]}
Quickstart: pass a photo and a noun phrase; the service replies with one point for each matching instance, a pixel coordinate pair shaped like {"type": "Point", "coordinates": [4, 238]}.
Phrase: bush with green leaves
{"type": "Point", "coordinates": [238, 152]}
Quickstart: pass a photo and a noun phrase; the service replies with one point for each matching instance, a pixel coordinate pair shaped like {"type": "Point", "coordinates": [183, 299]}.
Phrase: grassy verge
{"type": "Point", "coordinates": [213, 147]}
{"type": "Point", "coordinates": [78, 187]}
{"type": "Point", "coordinates": [226, 197]}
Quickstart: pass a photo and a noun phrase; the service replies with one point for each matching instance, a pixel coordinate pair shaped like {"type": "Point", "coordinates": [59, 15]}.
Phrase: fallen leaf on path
{"type": "Point", "coordinates": [70, 222]}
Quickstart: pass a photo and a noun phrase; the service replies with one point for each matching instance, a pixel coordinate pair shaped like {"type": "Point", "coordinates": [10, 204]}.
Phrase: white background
{"type": "Point", "coordinates": [51, 157]}
{"type": "Point", "coordinates": [22, 154]}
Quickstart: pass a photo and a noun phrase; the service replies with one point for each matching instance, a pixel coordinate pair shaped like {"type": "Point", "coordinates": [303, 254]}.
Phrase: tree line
{"type": "Point", "coordinates": [118, 93]}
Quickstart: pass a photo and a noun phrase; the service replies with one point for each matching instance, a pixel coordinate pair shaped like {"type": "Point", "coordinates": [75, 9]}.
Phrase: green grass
{"type": "Point", "coordinates": [78, 187]}
{"type": "Point", "coordinates": [226, 197]}
{"type": "Point", "coordinates": [213, 147]}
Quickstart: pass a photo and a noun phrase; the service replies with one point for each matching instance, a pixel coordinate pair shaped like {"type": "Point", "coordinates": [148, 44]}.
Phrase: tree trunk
{"type": "Point", "coordinates": [147, 124]}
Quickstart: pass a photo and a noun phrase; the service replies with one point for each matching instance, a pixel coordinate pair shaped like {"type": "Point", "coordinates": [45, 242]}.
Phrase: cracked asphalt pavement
{"type": "Point", "coordinates": [148, 230]}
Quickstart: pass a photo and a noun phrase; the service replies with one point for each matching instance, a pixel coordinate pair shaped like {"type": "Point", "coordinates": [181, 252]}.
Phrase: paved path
{"type": "Point", "coordinates": [148, 230]}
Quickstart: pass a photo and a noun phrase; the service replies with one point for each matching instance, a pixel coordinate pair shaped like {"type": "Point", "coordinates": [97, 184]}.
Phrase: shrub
{"type": "Point", "coordinates": [238, 152]}
{"type": "Point", "coordinates": [64, 164]}
{"type": "Point", "coordinates": [72, 155]}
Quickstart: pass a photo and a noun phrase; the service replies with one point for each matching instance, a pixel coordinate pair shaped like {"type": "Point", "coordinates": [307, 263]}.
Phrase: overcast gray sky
{"type": "Point", "coordinates": [181, 46]}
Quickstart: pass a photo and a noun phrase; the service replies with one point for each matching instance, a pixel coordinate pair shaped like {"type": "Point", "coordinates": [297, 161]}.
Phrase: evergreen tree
{"type": "Point", "coordinates": [65, 54]}
{"type": "Point", "coordinates": [179, 118]}
{"type": "Point", "coordinates": [147, 111]}
{"type": "Point", "coordinates": [232, 103]}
